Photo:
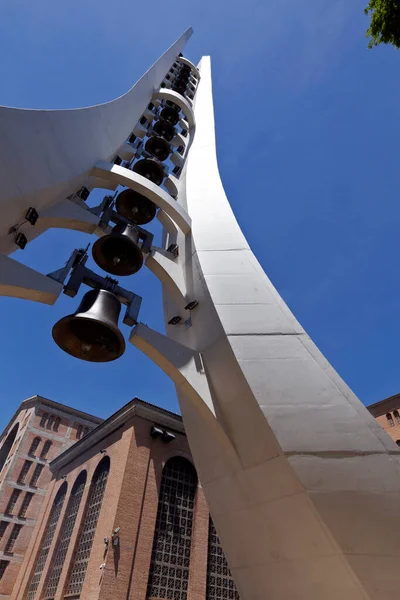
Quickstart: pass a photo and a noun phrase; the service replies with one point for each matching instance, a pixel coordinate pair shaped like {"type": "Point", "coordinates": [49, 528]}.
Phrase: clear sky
{"type": "Point", "coordinates": [304, 112]}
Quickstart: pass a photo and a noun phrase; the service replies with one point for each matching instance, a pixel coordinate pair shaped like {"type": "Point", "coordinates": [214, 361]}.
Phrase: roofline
{"type": "Point", "coordinates": [135, 407]}
{"type": "Point", "coordinates": [33, 400]}
{"type": "Point", "coordinates": [376, 404]}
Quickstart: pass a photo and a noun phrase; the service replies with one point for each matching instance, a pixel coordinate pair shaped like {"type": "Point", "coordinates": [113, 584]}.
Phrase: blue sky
{"type": "Point", "coordinates": [301, 106]}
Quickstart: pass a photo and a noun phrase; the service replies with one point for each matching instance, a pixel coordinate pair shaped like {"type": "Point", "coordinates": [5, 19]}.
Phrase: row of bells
{"type": "Point", "coordinates": [92, 332]}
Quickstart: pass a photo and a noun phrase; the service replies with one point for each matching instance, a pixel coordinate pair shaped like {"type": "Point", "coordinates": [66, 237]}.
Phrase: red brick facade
{"type": "Point", "coordinates": [38, 432]}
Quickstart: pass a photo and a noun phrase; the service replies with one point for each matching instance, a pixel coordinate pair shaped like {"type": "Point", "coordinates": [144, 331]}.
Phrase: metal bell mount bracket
{"type": "Point", "coordinates": [79, 273]}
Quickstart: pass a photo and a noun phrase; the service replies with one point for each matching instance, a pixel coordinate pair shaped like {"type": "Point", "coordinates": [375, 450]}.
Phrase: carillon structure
{"type": "Point", "coordinates": [294, 468]}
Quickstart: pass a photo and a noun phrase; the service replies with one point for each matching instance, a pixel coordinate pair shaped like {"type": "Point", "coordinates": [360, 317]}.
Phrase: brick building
{"type": "Point", "coordinates": [38, 432]}
{"type": "Point", "coordinates": [387, 413]}
{"type": "Point", "coordinates": [124, 517]}
{"type": "Point", "coordinates": [118, 513]}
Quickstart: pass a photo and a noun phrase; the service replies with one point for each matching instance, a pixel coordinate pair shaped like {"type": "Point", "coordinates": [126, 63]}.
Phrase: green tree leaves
{"type": "Point", "coordinates": [385, 22]}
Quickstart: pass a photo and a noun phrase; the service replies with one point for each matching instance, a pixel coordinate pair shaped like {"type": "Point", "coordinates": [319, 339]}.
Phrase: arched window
{"type": "Point", "coordinates": [88, 529]}
{"type": "Point", "coordinates": [79, 432]}
{"type": "Point", "coordinates": [47, 540]}
{"type": "Point", "coordinates": [45, 449]}
{"type": "Point", "coordinates": [396, 416]}
{"type": "Point", "coordinates": [390, 420]}
{"type": "Point", "coordinates": [7, 445]}
{"type": "Point", "coordinates": [219, 579]}
{"type": "Point", "coordinates": [64, 538]}
{"type": "Point", "coordinates": [398, 442]}
{"type": "Point", "coordinates": [57, 422]}
{"type": "Point", "coordinates": [34, 446]}
{"type": "Point", "coordinates": [43, 420]}
{"type": "Point", "coordinates": [170, 557]}
{"type": "Point", "coordinates": [50, 422]}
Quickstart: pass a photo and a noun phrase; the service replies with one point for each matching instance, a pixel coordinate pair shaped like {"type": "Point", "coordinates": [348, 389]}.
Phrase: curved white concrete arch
{"type": "Point", "coordinates": [142, 185]}
{"type": "Point", "coordinates": [186, 61]}
{"type": "Point", "coordinates": [181, 101]}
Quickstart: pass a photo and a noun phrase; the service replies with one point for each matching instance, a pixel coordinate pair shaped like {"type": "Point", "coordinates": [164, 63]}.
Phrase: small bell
{"type": "Point", "coordinates": [149, 169]}
{"type": "Point", "coordinates": [165, 129]}
{"type": "Point", "coordinates": [170, 114]}
{"type": "Point", "coordinates": [158, 147]}
{"type": "Point", "coordinates": [92, 332]}
{"type": "Point", "coordinates": [118, 253]}
{"type": "Point", "coordinates": [135, 206]}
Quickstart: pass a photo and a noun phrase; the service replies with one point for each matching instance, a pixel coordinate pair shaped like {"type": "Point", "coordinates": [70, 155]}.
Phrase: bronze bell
{"type": "Point", "coordinates": [92, 333]}
{"type": "Point", "coordinates": [172, 105]}
{"type": "Point", "coordinates": [149, 169]}
{"type": "Point", "coordinates": [179, 87]}
{"type": "Point", "coordinates": [165, 129]}
{"type": "Point", "coordinates": [118, 252]}
{"type": "Point", "coordinates": [170, 114]}
{"type": "Point", "coordinates": [158, 147]}
{"type": "Point", "coordinates": [135, 206]}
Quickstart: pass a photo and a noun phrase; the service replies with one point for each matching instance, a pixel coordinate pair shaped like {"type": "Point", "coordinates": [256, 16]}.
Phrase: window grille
{"type": "Point", "coordinates": [24, 471]}
{"type": "Point", "coordinates": [390, 420]}
{"type": "Point", "coordinates": [13, 538]}
{"type": "Point", "coordinates": [170, 557]}
{"type": "Point", "coordinates": [220, 584]}
{"type": "Point", "coordinates": [45, 449]}
{"type": "Point", "coordinates": [56, 424]}
{"type": "Point", "coordinates": [47, 541]}
{"type": "Point", "coordinates": [67, 528]}
{"type": "Point", "coordinates": [25, 504]}
{"type": "Point", "coordinates": [3, 566]}
{"type": "Point", "coordinates": [36, 474]}
{"type": "Point", "coordinates": [34, 446]}
{"type": "Point", "coordinates": [396, 416]}
{"type": "Point", "coordinates": [12, 502]}
{"type": "Point", "coordinates": [43, 419]}
{"type": "Point", "coordinates": [3, 528]}
{"type": "Point", "coordinates": [88, 530]}
{"type": "Point", "coordinates": [50, 422]}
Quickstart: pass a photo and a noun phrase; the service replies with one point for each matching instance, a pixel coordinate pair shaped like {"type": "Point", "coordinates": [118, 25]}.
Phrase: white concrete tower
{"type": "Point", "coordinates": [302, 483]}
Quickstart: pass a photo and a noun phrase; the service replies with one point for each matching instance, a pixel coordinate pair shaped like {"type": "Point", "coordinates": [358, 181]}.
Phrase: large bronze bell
{"type": "Point", "coordinates": [165, 129]}
{"type": "Point", "coordinates": [158, 147]}
{"type": "Point", "coordinates": [118, 253]}
{"type": "Point", "coordinates": [149, 169]}
{"type": "Point", "coordinates": [179, 88]}
{"type": "Point", "coordinates": [170, 114]}
{"type": "Point", "coordinates": [92, 333]}
{"type": "Point", "coordinates": [135, 206]}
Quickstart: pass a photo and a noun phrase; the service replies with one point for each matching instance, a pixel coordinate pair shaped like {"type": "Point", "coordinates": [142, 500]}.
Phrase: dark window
{"type": "Point", "coordinates": [24, 471]}
{"type": "Point", "coordinates": [50, 422]}
{"type": "Point", "coordinates": [47, 540]}
{"type": "Point", "coordinates": [12, 502]}
{"type": "Point", "coordinates": [170, 557]}
{"type": "Point", "coordinates": [7, 445]}
{"type": "Point", "coordinates": [398, 442]}
{"type": "Point", "coordinates": [3, 528]}
{"type": "Point", "coordinates": [34, 446]}
{"type": "Point", "coordinates": [25, 504]}
{"type": "Point", "coordinates": [45, 449]}
{"type": "Point", "coordinates": [390, 420]}
{"type": "Point", "coordinates": [3, 566]}
{"type": "Point", "coordinates": [13, 538]}
{"type": "Point", "coordinates": [36, 474]}
{"type": "Point", "coordinates": [64, 538]}
{"type": "Point", "coordinates": [219, 579]}
{"type": "Point", "coordinates": [79, 432]}
{"type": "Point", "coordinates": [56, 425]}
{"type": "Point", "coordinates": [396, 416]}
{"type": "Point", "coordinates": [88, 529]}
{"type": "Point", "coordinates": [43, 420]}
